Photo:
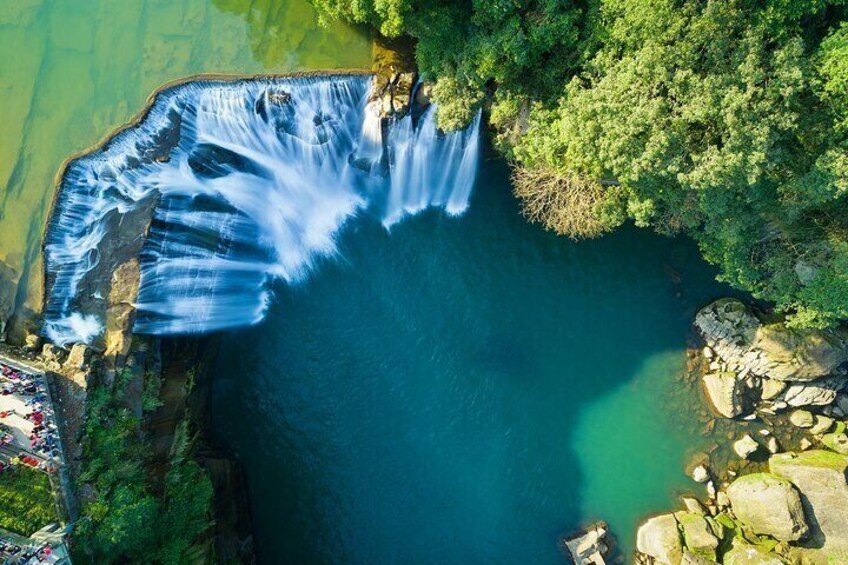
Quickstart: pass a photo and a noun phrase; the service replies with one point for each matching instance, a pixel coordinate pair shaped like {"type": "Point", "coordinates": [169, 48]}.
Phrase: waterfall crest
{"type": "Point", "coordinates": [245, 181]}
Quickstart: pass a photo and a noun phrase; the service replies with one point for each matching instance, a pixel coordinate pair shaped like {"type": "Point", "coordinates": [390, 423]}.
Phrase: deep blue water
{"type": "Point", "coordinates": [463, 390]}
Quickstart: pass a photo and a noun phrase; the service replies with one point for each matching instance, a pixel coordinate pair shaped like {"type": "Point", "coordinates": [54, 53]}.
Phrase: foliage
{"type": "Point", "coordinates": [563, 203]}
{"type": "Point", "coordinates": [122, 521]}
{"type": "Point", "coordinates": [26, 500]}
{"type": "Point", "coordinates": [724, 120]}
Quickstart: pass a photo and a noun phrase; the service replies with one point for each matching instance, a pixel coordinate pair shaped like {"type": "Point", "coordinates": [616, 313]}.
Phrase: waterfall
{"type": "Point", "coordinates": [246, 181]}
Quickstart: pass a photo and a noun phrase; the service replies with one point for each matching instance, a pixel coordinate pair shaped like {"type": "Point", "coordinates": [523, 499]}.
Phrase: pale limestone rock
{"type": "Point", "coordinates": [817, 393]}
{"type": "Point", "coordinates": [77, 358]}
{"type": "Point", "coordinates": [743, 554]}
{"type": "Point", "coordinates": [693, 505]}
{"type": "Point", "coordinates": [822, 478]}
{"type": "Point", "coordinates": [700, 474]}
{"type": "Point", "coordinates": [769, 505]}
{"type": "Point", "coordinates": [588, 547]}
{"type": "Point", "coordinates": [697, 534]}
{"type": "Point", "coordinates": [746, 446]}
{"type": "Point", "coordinates": [692, 559]}
{"type": "Point", "coordinates": [659, 538]}
{"type": "Point", "coordinates": [838, 442]}
{"type": "Point", "coordinates": [725, 393]}
{"type": "Point", "coordinates": [772, 445]}
{"type": "Point", "coordinates": [805, 444]}
{"type": "Point", "coordinates": [772, 350]}
{"type": "Point", "coordinates": [802, 418]}
{"type": "Point", "coordinates": [822, 425]}
{"type": "Point", "coordinates": [771, 389]}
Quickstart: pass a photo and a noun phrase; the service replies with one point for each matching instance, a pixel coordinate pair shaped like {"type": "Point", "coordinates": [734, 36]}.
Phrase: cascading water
{"type": "Point", "coordinates": [247, 180]}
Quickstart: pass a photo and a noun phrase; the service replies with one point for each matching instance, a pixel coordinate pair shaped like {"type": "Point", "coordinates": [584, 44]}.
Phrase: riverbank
{"type": "Point", "coordinates": [780, 496]}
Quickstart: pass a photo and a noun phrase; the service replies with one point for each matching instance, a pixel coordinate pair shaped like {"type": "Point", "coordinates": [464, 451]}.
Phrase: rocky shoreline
{"type": "Point", "coordinates": [788, 503]}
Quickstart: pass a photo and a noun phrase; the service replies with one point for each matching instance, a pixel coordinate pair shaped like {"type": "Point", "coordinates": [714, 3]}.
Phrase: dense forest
{"type": "Point", "coordinates": [723, 120]}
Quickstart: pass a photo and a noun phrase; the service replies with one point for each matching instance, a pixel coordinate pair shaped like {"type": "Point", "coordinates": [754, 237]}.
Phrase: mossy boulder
{"type": "Point", "coordinates": [744, 554]}
{"type": "Point", "coordinates": [698, 535]}
{"type": "Point", "coordinates": [660, 539]}
{"type": "Point", "coordinates": [822, 478]}
{"type": "Point", "coordinates": [769, 505]}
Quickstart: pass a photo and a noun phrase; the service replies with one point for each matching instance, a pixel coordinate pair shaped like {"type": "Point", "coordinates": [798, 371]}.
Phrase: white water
{"type": "Point", "coordinates": [265, 174]}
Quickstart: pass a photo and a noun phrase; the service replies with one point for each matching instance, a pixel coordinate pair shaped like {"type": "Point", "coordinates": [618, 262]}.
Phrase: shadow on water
{"type": "Point", "coordinates": [439, 394]}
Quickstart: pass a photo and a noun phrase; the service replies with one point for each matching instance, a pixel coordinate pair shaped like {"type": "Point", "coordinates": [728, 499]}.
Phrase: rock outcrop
{"type": "Point", "coordinates": [768, 366]}
{"type": "Point", "coordinates": [822, 478]}
{"type": "Point", "coordinates": [768, 504]}
{"type": "Point", "coordinates": [589, 546]}
{"type": "Point", "coordinates": [743, 554]}
{"type": "Point", "coordinates": [659, 538]}
{"type": "Point", "coordinates": [770, 350]}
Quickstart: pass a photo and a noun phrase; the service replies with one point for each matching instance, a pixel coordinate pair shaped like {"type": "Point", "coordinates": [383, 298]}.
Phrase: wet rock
{"type": "Point", "coordinates": [768, 504]}
{"type": "Point", "coordinates": [802, 418]}
{"type": "Point", "coordinates": [772, 446]}
{"type": "Point", "coordinates": [588, 547]}
{"type": "Point", "coordinates": [659, 538]}
{"type": "Point", "coordinates": [697, 534]}
{"type": "Point", "coordinates": [771, 389]}
{"type": "Point", "coordinates": [746, 446]}
{"type": "Point", "coordinates": [822, 478]}
{"type": "Point", "coordinates": [77, 358]}
{"type": "Point", "coordinates": [818, 393]}
{"type": "Point", "coordinates": [32, 342]}
{"type": "Point", "coordinates": [693, 505]}
{"type": "Point", "coordinates": [822, 425]}
{"type": "Point", "coordinates": [770, 350]}
{"type": "Point", "coordinates": [700, 474]}
{"type": "Point", "coordinates": [725, 393]}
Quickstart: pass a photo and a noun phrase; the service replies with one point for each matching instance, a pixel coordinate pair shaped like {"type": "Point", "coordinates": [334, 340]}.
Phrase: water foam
{"type": "Point", "coordinates": [256, 181]}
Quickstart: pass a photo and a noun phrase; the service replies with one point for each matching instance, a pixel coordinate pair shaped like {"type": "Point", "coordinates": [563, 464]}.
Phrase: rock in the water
{"type": "Point", "coordinates": [659, 538]}
{"type": "Point", "coordinates": [817, 393]}
{"type": "Point", "coordinates": [773, 350]}
{"type": "Point", "coordinates": [746, 446]}
{"type": "Point", "coordinates": [588, 547]}
{"type": "Point", "coordinates": [700, 474]}
{"type": "Point", "coordinates": [725, 393]}
{"type": "Point", "coordinates": [802, 418]}
{"type": "Point", "coordinates": [769, 505]}
{"type": "Point", "coordinates": [772, 445]}
{"type": "Point", "coordinates": [805, 444]}
{"type": "Point", "coordinates": [743, 554]}
{"type": "Point", "coordinates": [822, 425]}
{"type": "Point", "coordinates": [697, 534]}
{"type": "Point", "coordinates": [771, 389]}
{"type": "Point", "coordinates": [693, 505]}
{"type": "Point", "coordinates": [822, 478]}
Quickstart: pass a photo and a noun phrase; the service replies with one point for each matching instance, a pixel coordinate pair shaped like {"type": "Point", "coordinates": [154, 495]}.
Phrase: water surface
{"type": "Point", "coordinates": [464, 390]}
{"type": "Point", "coordinates": [74, 70]}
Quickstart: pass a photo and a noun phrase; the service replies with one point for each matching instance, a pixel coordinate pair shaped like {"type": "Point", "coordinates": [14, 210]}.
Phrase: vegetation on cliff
{"type": "Point", "coordinates": [727, 121]}
{"type": "Point", "coordinates": [123, 518]}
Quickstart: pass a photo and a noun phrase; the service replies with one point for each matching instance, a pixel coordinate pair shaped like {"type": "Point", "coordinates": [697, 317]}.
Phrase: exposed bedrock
{"type": "Point", "coordinates": [758, 365]}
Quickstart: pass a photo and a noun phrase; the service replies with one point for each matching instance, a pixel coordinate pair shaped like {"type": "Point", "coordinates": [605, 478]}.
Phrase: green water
{"type": "Point", "coordinates": [464, 390]}
{"type": "Point", "coordinates": [73, 70]}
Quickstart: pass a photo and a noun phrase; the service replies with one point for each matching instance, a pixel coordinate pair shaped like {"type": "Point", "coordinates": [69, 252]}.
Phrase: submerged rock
{"type": "Point", "coordinates": [589, 546]}
{"type": "Point", "coordinates": [746, 446]}
{"type": "Point", "coordinates": [822, 478]}
{"type": "Point", "coordinates": [802, 418]}
{"type": "Point", "coordinates": [659, 538]}
{"type": "Point", "coordinates": [769, 505]}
